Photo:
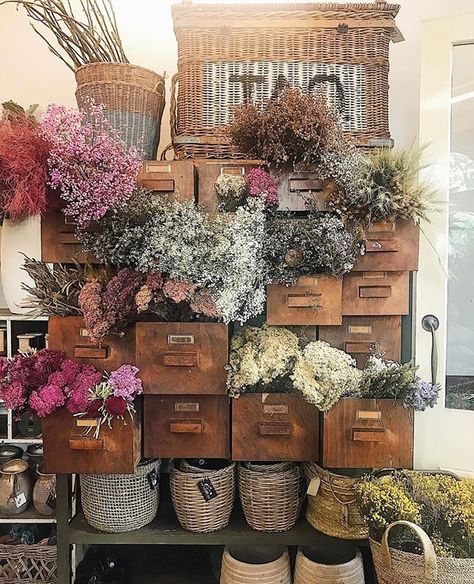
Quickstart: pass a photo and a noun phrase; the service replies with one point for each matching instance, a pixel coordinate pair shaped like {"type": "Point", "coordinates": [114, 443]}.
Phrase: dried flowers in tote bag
{"type": "Point", "coordinates": [91, 165]}
{"type": "Point", "coordinates": [23, 164]}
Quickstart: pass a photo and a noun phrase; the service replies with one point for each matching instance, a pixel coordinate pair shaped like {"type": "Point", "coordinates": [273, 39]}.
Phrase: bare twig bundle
{"type": "Point", "coordinates": [89, 38]}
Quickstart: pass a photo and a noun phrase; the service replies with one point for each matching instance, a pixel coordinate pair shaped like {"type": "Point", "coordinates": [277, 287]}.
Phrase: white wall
{"type": "Point", "coordinates": [30, 74]}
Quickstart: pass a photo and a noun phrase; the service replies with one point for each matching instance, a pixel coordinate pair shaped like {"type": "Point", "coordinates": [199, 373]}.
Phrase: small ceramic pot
{"type": "Point", "coordinates": [9, 452]}
{"type": "Point", "coordinates": [34, 454]}
{"type": "Point", "coordinates": [44, 493]}
{"type": "Point", "coordinates": [29, 425]}
{"type": "Point", "coordinates": [16, 487]}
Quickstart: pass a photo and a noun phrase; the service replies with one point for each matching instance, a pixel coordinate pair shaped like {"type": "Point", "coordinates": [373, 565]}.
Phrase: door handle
{"type": "Point", "coordinates": [430, 323]}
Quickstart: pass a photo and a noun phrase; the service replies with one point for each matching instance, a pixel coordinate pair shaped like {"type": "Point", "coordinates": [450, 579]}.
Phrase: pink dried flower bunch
{"type": "Point", "coordinates": [125, 383]}
{"type": "Point", "coordinates": [89, 162]}
{"type": "Point", "coordinates": [262, 185]}
{"type": "Point", "coordinates": [22, 375]}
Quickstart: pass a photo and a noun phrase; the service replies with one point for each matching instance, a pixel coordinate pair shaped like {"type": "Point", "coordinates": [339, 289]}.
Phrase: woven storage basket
{"type": "Point", "coordinates": [270, 495]}
{"type": "Point", "coordinates": [133, 99]}
{"type": "Point", "coordinates": [308, 571]}
{"type": "Point", "coordinates": [334, 510]}
{"type": "Point", "coordinates": [35, 564]}
{"type": "Point", "coordinates": [229, 54]}
{"type": "Point", "coordinates": [262, 565]}
{"type": "Point", "coordinates": [119, 503]}
{"type": "Point", "coordinates": [193, 511]}
{"type": "Point", "coordinates": [396, 567]}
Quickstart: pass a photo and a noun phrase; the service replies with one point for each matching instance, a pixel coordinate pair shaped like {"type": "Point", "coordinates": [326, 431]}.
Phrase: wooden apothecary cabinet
{"type": "Point", "coordinates": [362, 336]}
{"type": "Point", "coordinates": [296, 189]}
{"type": "Point", "coordinates": [375, 293]}
{"type": "Point", "coordinates": [274, 427]}
{"type": "Point", "coordinates": [59, 243]}
{"type": "Point", "coordinates": [183, 358]}
{"type": "Point", "coordinates": [176, 177]}
{"type": "Point", "coordinates": [69, 334]}
{"type": "Point", "coordinates": [312, 301]}
{"type": "Point", "coordinates": [70, 446]}
{"type": "Point", "coordinates": [185, 426]}
{"type": "Point", "coordinates": [368, 433]}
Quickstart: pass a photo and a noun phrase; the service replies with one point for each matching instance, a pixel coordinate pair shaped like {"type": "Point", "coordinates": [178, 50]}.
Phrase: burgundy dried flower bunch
{"type": "Point", "coordinates": [23, 164]}
{"type": "Point", "coordinates": [291, 129]}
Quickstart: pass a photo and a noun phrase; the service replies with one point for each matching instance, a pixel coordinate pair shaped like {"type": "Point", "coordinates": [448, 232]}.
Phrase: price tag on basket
{"type": "Point", "coordinates": [207, 489]}
{"type": "Point", "coordinates": [313, 487]}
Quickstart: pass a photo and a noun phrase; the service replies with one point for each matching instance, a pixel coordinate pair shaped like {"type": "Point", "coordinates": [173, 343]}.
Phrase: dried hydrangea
{"type": "Point", "coordinates": [232, 191]}
{"type": "Point", "coordinates": [323, 374]}
{"type": "Point", "coordinates": [259, 357]}
{"type": "Point", "coordinates": [316, 245]}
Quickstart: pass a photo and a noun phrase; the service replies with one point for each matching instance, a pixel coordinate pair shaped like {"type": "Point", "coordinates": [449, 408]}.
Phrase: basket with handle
{"type": "Point", "coordinates": [333, 509]}
{"type": "Point", "coordinates": [35, 564]}
{"type": "Point", "coordinates": [232, 54]}
{"type": "Point", "coordinates": [394, 566]}
{"type": "Point", "coordinates": [133, 99]}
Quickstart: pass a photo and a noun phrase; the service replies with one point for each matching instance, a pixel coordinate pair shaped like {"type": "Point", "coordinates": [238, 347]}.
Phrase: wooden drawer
{"type": "Point", "coordinates": [391, 247]}
{"type": "Point", "coordinates": [274, 427]}
{"type": "Point", "coordinates": [59, 243]}
{"type": "Point", "coordinates": [184, 358]}
{"type": "Point", "coordinates": [312, 301]}
{"type": "Point", "coordinates": [177, 176]}
{"type": "Point", "coordinates": [67, 449]}
{"type": "Point", "coordinates": [375, 293]}
{"type": "Point", "coordinates": [181, 426]}
{"type": "Point", "coordinates": [68, 334]}
{"type": "Point", "coordinates": [295, 188]}
{"type": "Point", "coordinates": [368, 433]}
{"type": "Point", "coordinates": [209, 171]}
{"type": "Point", "coordinates": [361, 336]}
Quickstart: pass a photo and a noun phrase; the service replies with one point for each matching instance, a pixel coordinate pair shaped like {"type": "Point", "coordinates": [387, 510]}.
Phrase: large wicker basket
{"type": "Point", "coordinates": [194, 511]}
{"type": "Point", "coordinates": [133, 100]}
{"type": "Point", "coordinates": [333, 510]}
{"type": "Point", "coordinates": [119, 503]}
{"type": "Point", "coordinates": [310, 568]}
{"type": "Point", "coordinates": [262, 565]}
{"type": "Point", "coordinates": [35, 564]}
{"type": "Point", "coordinates": [230, 54]}
{"type": "Point", "coordinates": [270, 495]}
{"type": "Point", "coordinates": [396, 567]}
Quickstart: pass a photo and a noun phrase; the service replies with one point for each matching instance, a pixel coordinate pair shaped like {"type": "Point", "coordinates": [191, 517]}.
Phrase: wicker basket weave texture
{"type": "Point", "coordinates": [35, 564]}
{"type": "Point", "coordinates": [334, 510]}
{"type": "Point", "coordinates": [193, 511]}
{"type": "Point", "coordinates": [270, 495]}
{"type": "Point", "coordinates": [309, 572]}
{"type": "Point", "coordinates": [121, 502]}
{"type": "Point", "coordinates": [397, 567]}
{"type": "Point", "coordinates": [236, 571]}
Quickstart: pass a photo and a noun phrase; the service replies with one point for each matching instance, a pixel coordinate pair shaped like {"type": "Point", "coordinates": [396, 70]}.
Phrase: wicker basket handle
{"type": "Point", "coordinates": [430, 561]}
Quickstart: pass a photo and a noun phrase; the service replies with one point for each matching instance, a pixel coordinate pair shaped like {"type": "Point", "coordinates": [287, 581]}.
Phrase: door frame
{"type": "Point", "coordinates": [444, 438]}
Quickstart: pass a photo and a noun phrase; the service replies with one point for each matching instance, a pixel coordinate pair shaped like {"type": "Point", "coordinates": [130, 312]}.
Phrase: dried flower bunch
{"type": "Point", "coordinates": [290, 129]}
{"type": "Point", "coordinates": [442, 505]}
{"type": "Point", "coordinates": [89, 162]}
{"type": "Point", "coordinates": [23, 163]}
{"type": "Point", "coordinates": [270, 359]}
{"type": "Point", "coordinates": [384, 379]}
{"type": "Point", "coordinates": [233, 190]}
{"type": "Point", "coordinates": [386, 187]}
{"type": "Point", "coordinates": [221, 255]}
{"type": "Point", "coordinates": [316, 245]}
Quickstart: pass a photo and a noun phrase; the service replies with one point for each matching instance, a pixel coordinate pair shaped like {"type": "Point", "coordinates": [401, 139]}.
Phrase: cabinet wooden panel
{"type": "Point", "coordinates": [311, 301]}
{"type": "Point", "coordinates": [184, 426]}
{"type": "Point", "coordinates": [375, 293]}
{"type": "Point", "coordinates": [209, 171]}
{"type": "Point", "coordinates": [274, 427]}
{"type": "Point", "coordinates": [361, 336]}
{"type": "Point", "coordinates": [68, 449]}
{"type": "Point", "coordinates": [368, 433]}
{"type": "Point", "coordinates": [69, 334]}
{"type": "Point", "coordinates": [183, 357]}
{"type": "Point", "coordinates": [296, 188]}
{"type": "Point", "coordinates": [59, 243]}
{"type": "Point", "coordinates": [177, 176]}
{"type": "Point", "coordinates": [391, 247]}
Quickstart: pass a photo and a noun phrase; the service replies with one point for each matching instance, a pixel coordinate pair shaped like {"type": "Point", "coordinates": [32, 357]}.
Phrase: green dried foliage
{"type": "Point", "coordinates": [388, 379]}
{"type": "Point", "coordinates": [386, 187]}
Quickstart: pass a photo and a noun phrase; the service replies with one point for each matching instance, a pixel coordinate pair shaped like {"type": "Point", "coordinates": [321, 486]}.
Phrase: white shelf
{"type": "Point", "coordinates": [21, 441]}
{"type": "Point", "coordinates": [28, 516]}
{"type": "Point", "coordinates": [6, 315]}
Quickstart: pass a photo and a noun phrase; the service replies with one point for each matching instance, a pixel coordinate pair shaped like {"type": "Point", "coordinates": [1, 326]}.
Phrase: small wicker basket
{"type": "Point", "coordinates": [194, 511]}
{"type": "Point", "coordinates": [270, 495]}
{"type": "Point", "coordinates": [262, 565]}
{"type": "Point", "coordinates": [119, 503]}
{"type": "Point", "coordinates": [310, 568]}
{"type": "Point", "coordinates": [334, 510]}
{"type": "Point", "coordinates": [133, 100]}
{"type": "Point", "coordinates": [35, 564]}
